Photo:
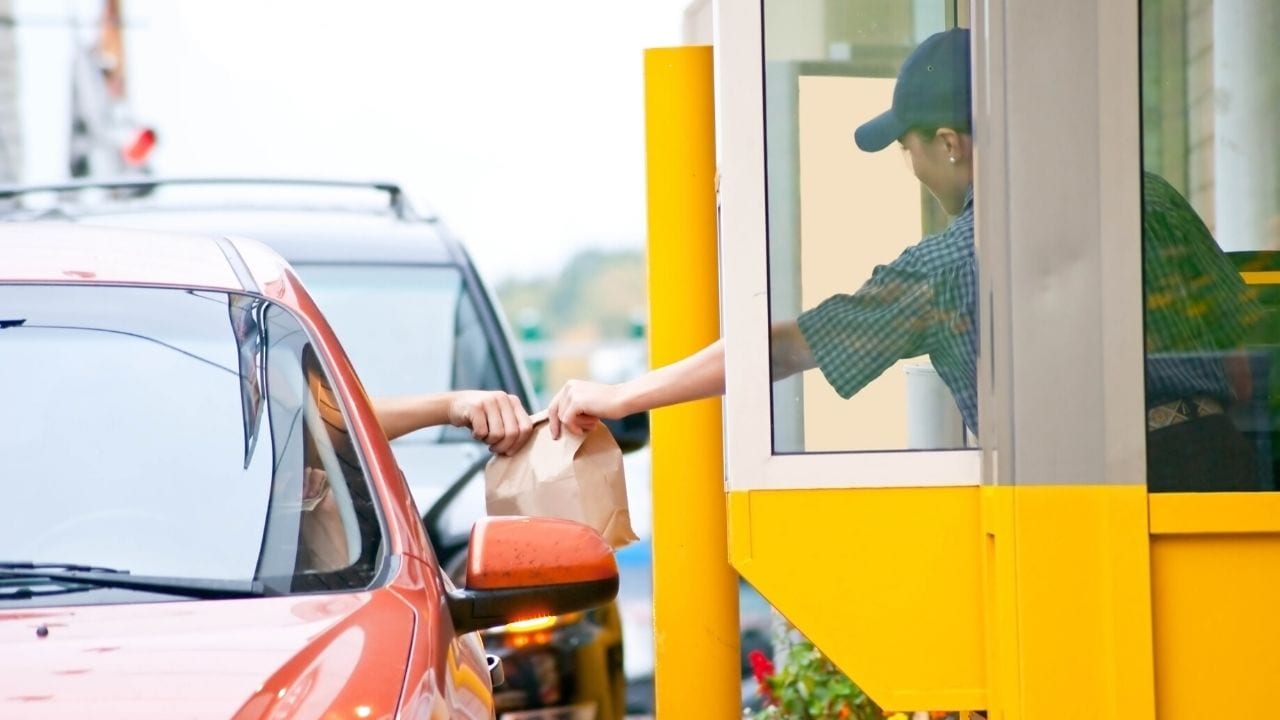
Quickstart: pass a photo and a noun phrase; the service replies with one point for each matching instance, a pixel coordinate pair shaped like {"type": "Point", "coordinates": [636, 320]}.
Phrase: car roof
{"type": "Point", "coordinates": [67, 253]}
{"type": "Point", "coordinates": [301, 234]}
{"type": "Point", "coordinates": [306, 220]}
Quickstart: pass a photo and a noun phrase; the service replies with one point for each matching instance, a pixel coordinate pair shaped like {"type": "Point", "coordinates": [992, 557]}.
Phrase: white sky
{"type": "Point", "coordinates": [521, 122]}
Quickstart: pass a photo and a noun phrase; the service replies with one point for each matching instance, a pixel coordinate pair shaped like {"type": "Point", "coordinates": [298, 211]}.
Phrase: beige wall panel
{"type": "Point", "coordinates": [857, 210]}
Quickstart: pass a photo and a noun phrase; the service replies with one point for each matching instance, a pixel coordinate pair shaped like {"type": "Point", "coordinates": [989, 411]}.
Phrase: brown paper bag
{"type": "Point", "coordinates": [575, 478]}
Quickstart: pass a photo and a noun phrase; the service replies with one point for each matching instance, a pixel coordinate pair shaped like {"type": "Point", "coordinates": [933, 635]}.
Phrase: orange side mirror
{"type": "Point", "coordinates": [521, 567]}
{"type": "Point", "coordinates": [516, 551]}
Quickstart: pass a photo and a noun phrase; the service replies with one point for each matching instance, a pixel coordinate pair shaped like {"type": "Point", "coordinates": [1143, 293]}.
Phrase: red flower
{"type": "Point", "coordinates": [762, 669]}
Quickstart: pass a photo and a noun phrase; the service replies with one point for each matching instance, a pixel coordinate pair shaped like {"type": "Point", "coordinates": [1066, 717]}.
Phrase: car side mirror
{"type": "Point", "coordinates": [630, 432]}
{"type": "Point", "coordinates": [520, 568]}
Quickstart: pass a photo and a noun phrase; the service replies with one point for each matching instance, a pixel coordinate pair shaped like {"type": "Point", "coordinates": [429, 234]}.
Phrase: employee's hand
{"type": "Point", "coordinates": [580, 404]}
{"type": "Point", "coordinates": [494, 417]}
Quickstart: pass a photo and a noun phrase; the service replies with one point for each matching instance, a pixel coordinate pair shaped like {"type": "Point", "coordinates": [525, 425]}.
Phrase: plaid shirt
{"type": "Point", "coordinates": [1196, 305]}
{"type": "Point", "coordinates": [924, 302]}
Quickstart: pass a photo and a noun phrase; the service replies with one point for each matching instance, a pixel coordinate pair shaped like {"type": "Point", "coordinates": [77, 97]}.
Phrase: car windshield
{"type": "Point", "coordinates": [408, 329]}
{"type": "Point", "coordinates": [177, 433]}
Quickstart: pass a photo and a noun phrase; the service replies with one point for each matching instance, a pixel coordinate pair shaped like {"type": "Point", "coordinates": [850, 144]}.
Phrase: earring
{"type": "Point", "coordinates": [953, 160]}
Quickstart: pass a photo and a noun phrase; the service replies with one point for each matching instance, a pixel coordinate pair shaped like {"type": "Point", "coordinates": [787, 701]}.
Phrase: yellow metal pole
{"type": "Point", "coordinates": [695, 591]}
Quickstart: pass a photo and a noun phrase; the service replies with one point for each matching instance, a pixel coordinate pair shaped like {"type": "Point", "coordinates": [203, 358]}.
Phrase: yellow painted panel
{"type": "Point", "coordinates": [1261, 277]}
{"type": "Point", "coordinates": [887, 581]}
{"type": "Point", "coordinates": [1032, 602]}
{"type": "Point", "coordinates": [1217, 625]}
{"type": "Point", "coordinates": [1000, 600]}
{"type": "Point", "coordinates": [1211, 513]}
{"type": "Point", "coordinates": [1073, 580]}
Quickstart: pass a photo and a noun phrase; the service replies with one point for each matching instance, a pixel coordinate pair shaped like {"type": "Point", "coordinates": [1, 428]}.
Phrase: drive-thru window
{"type": "Point", "coordinates": [985, 538]}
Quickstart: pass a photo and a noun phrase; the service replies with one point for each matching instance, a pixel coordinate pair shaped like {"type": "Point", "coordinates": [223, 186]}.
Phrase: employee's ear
{"type": "Point", "coordinates": [957, 145]}
{"type": "Point", "coordinates": [949, 138]}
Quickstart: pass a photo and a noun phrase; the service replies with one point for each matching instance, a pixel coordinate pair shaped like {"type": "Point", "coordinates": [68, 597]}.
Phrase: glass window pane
{"type": "Point", "coordinates": [177, 433]}
{"type": "Point", "coordinates": [1211, 202]}
{"type": "Point", "coordinates": [884, 320]}
{"type": "Point", "coordinates": [425, 313]}
{"type": "Point", "coordinates": [373, 306]}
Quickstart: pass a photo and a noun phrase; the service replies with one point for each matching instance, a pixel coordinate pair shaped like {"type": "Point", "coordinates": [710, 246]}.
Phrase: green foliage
{"type": "Point", "coordinates": [808, 686]}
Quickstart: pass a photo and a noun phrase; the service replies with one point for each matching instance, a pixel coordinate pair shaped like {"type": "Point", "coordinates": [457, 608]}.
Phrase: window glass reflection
{"type": "Point", "coordinates": [427, 312]}
{"type": "Point", "coordinates": [887, 319]}
{"type": "Point", "coordinates": [1210, 204]}
{"type": "Point", "coordinates": [177, 433]}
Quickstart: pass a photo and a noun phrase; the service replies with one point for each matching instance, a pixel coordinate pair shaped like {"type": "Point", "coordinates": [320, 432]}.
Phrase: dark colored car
{"type": "Point", "coordinates": [415, 316]}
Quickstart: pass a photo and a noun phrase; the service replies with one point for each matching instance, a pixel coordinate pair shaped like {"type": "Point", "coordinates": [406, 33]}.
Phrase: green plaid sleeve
{"type": "Point", "coordinates": [856, 337]}
{"type": "Point", "coordinates": [1195, 300]}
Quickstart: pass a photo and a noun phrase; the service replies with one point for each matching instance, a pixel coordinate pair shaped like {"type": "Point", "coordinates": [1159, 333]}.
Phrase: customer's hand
{"type": "Point", "coordinates": [494, 417]}
{"type": "Point", "coordinates": [580, 404]}
{"type": "Point", "coordinates": [322, 535]}
{"type": "Point", "coordinates": [315, 488]}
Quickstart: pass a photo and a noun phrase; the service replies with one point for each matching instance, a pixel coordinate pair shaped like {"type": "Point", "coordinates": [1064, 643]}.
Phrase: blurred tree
{"type": "Point", "coordinates": [600, 291]}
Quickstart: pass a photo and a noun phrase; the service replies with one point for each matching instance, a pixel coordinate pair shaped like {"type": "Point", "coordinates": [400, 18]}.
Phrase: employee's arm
{"type": "Point", "coordinates": [581, 402]}
{"type": "Point", "coordinates": [701, 375]}
{"type": "Point", "coordinates": [790, 352]}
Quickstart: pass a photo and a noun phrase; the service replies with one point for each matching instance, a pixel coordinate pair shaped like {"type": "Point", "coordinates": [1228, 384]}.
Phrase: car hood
{"type": "Point", "coordinates": [289, 657]}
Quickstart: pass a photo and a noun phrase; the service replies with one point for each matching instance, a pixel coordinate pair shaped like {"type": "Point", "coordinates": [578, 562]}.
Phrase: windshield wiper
{"type": "Point", "coordinates": [28, 565]}
{"type": "Point", "coordinates": [207, 589]}
{"type": "Point", "coordinates": [26, 593]}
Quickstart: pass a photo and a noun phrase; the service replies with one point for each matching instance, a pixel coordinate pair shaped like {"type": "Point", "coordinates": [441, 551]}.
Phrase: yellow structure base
{"type": "Point", "coordinates": [1069, 600]}
{"type": "Point", "coordinates": [1215, 570]}
{"type": "Point", "coordinates": [886, 581]}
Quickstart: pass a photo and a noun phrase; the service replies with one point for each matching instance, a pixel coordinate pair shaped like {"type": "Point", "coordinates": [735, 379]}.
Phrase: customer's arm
{"type": "Point", "coordinates": [494, 417]}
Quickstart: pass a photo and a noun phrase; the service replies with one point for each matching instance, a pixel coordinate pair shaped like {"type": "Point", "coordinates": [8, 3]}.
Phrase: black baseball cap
{"type": "Point", "coordinates": [932, 91]}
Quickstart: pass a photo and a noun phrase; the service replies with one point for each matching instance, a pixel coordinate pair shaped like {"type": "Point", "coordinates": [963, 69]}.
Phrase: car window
{"type": "Point", "coordinates": [408, 329]}
{"type": "Point", "coordinates": [177, 433]}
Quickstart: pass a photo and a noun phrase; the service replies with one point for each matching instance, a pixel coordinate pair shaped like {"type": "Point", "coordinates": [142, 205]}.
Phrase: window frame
{"type": "Point", "coordinates": [750, 461]}
{"type": "Point", "coordinates": [1033, 213]}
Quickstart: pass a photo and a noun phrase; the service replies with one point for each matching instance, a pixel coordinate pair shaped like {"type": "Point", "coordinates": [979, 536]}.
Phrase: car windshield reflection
{"type": "Point", "coordinates": [179, 434]}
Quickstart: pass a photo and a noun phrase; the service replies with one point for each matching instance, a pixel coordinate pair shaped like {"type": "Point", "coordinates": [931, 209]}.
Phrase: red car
{"type": "Point", "coordinates": [202, 516]}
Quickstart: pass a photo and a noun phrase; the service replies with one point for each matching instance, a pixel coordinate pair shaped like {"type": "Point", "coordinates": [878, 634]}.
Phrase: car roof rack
{"type": "Point", "coordinates": [396, 197]}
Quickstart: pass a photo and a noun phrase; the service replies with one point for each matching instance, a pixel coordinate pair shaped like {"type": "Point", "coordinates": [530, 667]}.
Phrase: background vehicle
{"type": "Point", "coordinates": [414, 316]}
{"type": "Point", "coordinates": [204, 512]}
